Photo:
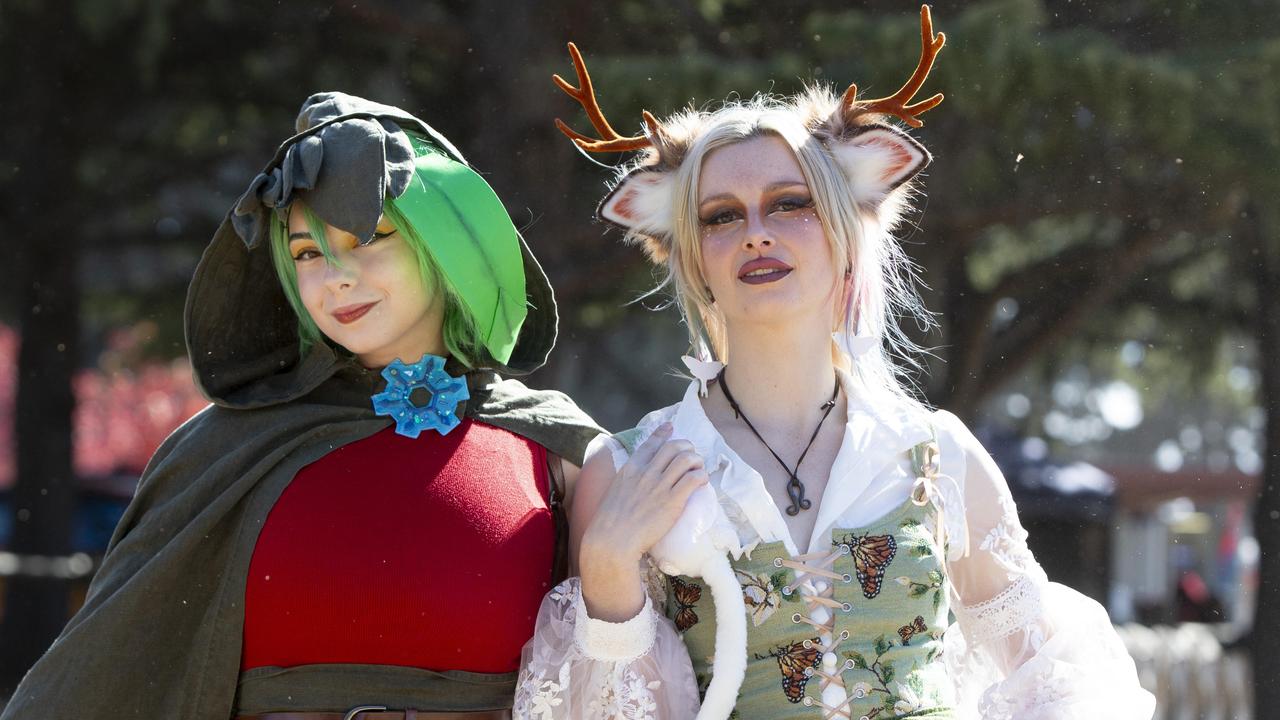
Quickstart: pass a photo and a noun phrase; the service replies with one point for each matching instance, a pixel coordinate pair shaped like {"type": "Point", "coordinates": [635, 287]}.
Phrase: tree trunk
{"type": "Point", "coordinates": [44, 497]}
{"type": "Point", "coordinates": [43, 224]}
{"type": "Point", "coordinates": [1266, 518]}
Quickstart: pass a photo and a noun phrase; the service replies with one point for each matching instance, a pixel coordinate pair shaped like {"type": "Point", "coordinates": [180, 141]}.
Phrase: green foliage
{"type": "Point", "coordinates": [859, 661]}
{"type": "Point", "coordinates": [882, 645]}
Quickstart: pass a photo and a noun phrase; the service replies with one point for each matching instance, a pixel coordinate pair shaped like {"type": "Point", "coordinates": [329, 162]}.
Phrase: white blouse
{"type": "Point", "coordinates": [1021, 647]}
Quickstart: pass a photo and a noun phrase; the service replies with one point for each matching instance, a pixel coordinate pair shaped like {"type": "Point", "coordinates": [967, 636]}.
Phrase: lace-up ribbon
{"type": "Point", "coordinates": [807, 567]}
{"type": "Point", "coordinates": [945, 494]}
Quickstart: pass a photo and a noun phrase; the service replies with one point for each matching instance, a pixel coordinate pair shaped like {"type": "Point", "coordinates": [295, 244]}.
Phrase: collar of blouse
{"type": "Point", "coordinates": [878, 432]}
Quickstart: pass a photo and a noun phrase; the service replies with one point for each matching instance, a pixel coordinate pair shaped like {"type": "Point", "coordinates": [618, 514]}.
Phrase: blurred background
{"type": "Point", "coordinates": [1099, 237]}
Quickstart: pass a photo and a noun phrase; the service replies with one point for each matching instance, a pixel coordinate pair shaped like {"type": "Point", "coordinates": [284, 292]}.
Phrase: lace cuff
{"type": "Point", "coordinates": [613, 642]}
{"type": "Point", "coordinates": [1016, 607]}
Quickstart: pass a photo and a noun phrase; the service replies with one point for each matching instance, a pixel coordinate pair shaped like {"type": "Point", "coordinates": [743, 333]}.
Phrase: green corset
{"type": "Point", "coordinates": [888, 608]}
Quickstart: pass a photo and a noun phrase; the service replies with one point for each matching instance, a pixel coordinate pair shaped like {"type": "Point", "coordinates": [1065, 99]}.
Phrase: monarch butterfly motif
{"type": "Point", "coordinates": [910, 630]}
{"type": "Point", "coordinates": [793, 661]}
{"type": "Point", "coordinates": [686, 595]}
{"type": "Point", "coordinates": [871, 557]}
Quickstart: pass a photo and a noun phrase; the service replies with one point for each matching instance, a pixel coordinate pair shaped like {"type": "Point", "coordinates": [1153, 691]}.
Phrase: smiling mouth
{"type": "Point", "coordinates": [348, 315]}
{"type": "Point", "coordinates": [764, 276]}
{"type": "Point", "coordinates": [763, 270]}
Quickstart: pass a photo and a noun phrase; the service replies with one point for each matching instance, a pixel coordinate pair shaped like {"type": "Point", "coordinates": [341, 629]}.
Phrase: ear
{"type": "Point", "coordinates": [877, 159]}
{"type": "Point", "coordinates": [641, 204]}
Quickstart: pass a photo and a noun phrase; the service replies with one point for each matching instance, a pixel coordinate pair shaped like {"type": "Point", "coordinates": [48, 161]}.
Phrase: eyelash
{"type": "Point", "coordinates": [724, 217]}
{"type": "Point", "coordinates": [312, 253]}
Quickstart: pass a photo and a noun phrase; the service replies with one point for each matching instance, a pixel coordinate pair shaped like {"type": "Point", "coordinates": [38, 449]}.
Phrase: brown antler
{"type": "Point", "coordinates": [896, 104]}
{"type": "Point", "coordinates": [609, 140]}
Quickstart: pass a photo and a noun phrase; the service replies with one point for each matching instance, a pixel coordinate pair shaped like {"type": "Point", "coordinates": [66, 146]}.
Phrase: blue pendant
{"type": "Point", "coordinates": [438, 413]}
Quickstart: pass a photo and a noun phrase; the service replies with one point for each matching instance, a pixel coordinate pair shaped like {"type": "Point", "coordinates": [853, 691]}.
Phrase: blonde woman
{"type": "Point", "coordinates": [862, 518]}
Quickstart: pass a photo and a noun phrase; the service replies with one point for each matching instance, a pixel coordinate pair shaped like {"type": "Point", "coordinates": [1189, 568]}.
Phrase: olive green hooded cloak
{"type": "Point", "coordinates": [160, 632]}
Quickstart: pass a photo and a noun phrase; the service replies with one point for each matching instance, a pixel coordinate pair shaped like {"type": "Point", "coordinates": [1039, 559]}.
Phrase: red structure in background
{"type": "Point", "coordinates": [123, 410]}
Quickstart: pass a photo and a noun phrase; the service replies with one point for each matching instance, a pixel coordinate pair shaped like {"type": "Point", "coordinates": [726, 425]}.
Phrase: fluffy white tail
{"type": "Point", "coordinates": [730, 664]}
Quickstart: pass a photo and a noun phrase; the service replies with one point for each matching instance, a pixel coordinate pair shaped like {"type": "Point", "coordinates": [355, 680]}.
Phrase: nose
{"type": "Point", "coordinates": [755, 236]}
{"type": "Point", "coordinates": [341, 273]}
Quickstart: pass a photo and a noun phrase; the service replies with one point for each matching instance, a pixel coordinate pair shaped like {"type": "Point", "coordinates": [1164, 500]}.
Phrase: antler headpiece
{"type": "Point", "coordinates": [877, 158]}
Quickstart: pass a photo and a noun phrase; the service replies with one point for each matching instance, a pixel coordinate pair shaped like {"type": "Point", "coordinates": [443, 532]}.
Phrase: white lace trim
{"type": "Point", "coordinates": [538, 697]}
{"type": "Point", "coordinates": [629, 695]}
{"type": "Point", "coordinates": [1016, 607]}
{"type": "Point", "coordinates": [1038, 692]}
{"type": "Point", "coordinates": [1007, 542]}
{"type": "Point", "coordinates": [613, 641]}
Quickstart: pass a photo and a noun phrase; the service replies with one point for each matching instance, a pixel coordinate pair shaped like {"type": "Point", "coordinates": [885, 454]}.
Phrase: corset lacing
{"type": "Point", "coordinates": [818, 564]}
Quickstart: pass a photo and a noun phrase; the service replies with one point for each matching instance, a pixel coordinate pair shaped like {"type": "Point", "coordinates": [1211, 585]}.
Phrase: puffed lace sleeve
{"type": "Point", "coordinates": [1023, 647]}
{"type": "Point", "coordinates": [579, 668]}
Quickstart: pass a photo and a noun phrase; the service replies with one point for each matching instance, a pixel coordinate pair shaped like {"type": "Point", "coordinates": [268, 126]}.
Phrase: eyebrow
{"type": "Point", "coordinates": [768, 188]}
{"type": "Point", "coordinates": [299, 236]}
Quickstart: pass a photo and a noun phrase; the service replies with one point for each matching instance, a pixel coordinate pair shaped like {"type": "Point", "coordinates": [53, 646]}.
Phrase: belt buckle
{"type": "Point", "coordinates": [351, 714]}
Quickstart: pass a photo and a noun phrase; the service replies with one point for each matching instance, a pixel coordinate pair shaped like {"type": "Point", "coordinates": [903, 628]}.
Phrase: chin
{"type": "Point", "coordinates": [774, 308]}
{"type": "Point", "coordinates": [768, 299]}
{"type": "Point", "coordinates": [767, 312]}
{"type": "Point", "coordinates": [352, 343]}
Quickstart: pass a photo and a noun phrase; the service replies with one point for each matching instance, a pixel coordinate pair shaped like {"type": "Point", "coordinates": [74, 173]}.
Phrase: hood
{"type": "Point", "coordinates": [348, 155]}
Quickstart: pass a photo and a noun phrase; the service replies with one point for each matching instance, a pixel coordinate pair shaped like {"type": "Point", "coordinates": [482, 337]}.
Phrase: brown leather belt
{"type": "Point", "coordinates": [377, 713]}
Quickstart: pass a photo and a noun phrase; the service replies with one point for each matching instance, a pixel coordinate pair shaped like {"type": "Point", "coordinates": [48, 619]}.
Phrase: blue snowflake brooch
{"type": "Point", "coordinates": [421, 396]}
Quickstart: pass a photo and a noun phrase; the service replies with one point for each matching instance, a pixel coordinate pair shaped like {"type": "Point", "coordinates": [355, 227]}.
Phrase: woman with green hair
{"type": "Point", "coordinates": [364, 521]}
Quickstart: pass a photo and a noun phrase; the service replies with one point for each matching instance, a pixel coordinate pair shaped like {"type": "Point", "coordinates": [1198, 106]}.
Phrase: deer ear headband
{"type": "Point", "coordinates": [878, 159]}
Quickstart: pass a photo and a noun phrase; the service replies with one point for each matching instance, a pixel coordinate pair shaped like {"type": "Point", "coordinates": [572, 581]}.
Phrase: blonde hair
{"type": "Point", "coordinates": [882, 277]}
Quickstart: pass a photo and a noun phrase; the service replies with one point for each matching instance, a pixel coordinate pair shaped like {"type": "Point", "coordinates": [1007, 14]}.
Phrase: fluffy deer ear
{"type": "Point", "coordinates": [879, 159]}
{"type": "Point", "coordinates": [641, 204]}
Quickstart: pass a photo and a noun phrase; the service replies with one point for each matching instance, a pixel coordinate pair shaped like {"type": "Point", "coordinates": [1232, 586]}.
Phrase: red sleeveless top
{"type": "Point", "coordinates": [431, 553]}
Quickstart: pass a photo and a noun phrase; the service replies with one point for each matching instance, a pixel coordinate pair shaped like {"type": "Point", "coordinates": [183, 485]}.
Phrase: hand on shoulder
{"type": "Point", "coordinates": [618, 515]}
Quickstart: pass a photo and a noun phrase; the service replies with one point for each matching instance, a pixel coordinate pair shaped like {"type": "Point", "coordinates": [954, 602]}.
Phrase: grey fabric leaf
{"type": "Point", "coordinates": [400, 158]}
{"type": "Point", "coordinates": [352, 185]}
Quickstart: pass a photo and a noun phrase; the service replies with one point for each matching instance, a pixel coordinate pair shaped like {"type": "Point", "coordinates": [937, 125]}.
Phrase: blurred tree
{"type": "Point", "coordinates": [1093, 160]}
{"type": "Point", "coordinates": [43, 141]}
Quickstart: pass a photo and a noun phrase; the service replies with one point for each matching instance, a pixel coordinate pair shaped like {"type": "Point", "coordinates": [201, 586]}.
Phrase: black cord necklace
{"type": "Point", "coordinates": [795, 488]}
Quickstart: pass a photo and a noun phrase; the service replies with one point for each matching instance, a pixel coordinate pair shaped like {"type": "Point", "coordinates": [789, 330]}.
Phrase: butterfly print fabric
{"type": "Point", "coordinates": [794, 662]}
{"type": "Point", "coordinates": [910, 630]}
{"type": "Point", "coordinates": [871, 557]}
{"type": "Point", "coordinates": [685, 594]}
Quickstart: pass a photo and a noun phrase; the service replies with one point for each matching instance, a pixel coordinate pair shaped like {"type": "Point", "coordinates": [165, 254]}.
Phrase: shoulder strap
{"type": "Point", "coordinates": [555, 500]}
{"type": "Point", "coordinates": [925, 456]}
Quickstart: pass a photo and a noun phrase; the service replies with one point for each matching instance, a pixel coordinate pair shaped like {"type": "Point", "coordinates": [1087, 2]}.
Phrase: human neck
{"type": "Point", "coordinates": [780, 376]}
{"type": "Point", "coordinates": [407, 353]}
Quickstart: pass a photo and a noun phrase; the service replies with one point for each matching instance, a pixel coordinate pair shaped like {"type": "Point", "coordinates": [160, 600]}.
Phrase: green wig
{"type": "Point", "coordinates": [418, 206]}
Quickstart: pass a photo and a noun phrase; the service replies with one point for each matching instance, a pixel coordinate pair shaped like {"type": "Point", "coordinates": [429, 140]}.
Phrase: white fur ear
{"type": "Point", "coordinates": [879, 159]}
{"type": "Point", "coordinates": [640, 202]}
